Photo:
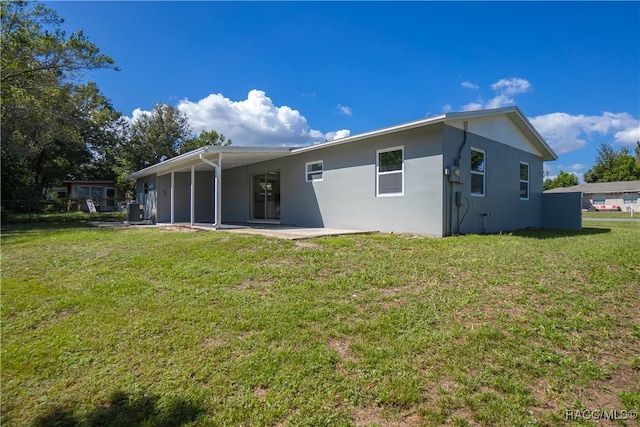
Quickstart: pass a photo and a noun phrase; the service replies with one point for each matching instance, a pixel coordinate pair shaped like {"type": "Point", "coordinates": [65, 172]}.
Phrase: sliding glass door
{"type": "Point", "coordinates": [266, 196]}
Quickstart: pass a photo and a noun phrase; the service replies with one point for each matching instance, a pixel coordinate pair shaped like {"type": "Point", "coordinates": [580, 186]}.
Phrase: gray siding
{"type": "Point", "coordinates": [204, 197]}
{"type": "Point", "coordinates": [346, 197]}
{"type": "Point", "coordinates": [562, 211]}
{"type": "Point", "coordinates": [182, 196]}
{"type": "Point", "coordinates": [164, 199]}
{"type": "Point", "coordinates": [502, 187]}
{"type": "Point", "coordinates": [148, 199]}
{"type": "Point", "coordinates": [236, 194]}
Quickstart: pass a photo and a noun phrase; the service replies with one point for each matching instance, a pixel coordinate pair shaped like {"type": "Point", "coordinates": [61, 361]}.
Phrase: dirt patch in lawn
{"type": "Point", "coordinates": [372, 416]}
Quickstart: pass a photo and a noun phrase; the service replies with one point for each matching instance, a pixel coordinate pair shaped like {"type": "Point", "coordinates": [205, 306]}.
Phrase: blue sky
{"type": "Point", "coordinates": [301, 72]}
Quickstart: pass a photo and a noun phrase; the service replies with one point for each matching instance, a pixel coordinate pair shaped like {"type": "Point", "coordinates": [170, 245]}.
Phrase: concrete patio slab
{"type": "Point", "coordinates": [275, 230]}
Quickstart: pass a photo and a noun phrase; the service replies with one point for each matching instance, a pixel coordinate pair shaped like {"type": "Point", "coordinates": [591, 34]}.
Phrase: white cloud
{"type": "Point", "coordinates": [505, 89]}
{"type": "Point", "coordinates": [575, 167]}
{"type": "Point", "coordinates": [447, 108]}
{"type": "Point", "coordinates": [342, 133]}
{"type": "Point", "coordinates": [473, 106]}
{"type": "Point", "coordinates": [511, 86]}
{"type": "Point", "coordinates": [470, 85]}
{"type": "Point", "coordinates": [252, 121]}
{"type": "Point", "coordinates": [566, 132]}
{"type": "Point", "coordinates": [344, 110]}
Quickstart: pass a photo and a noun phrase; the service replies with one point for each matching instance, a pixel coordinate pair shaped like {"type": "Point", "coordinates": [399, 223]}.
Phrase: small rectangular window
{"type": "Point", "coordinates": [630, 199]}
{"type": "Point", "coordinates": [524, 181]}
{"type": "Point", "coordinates": [313, 171]}
{"type": "Point", "coordinates": [390, 172]}
{"type": "Point", "coordinates": [88, 192]}
{"type": "Point", "coordinates": [598, 199]}
{"type": "Point", "coordinates": [478, 171]}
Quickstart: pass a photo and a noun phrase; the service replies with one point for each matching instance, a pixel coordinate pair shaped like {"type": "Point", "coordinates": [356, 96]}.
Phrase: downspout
{"type": "Point", "coordinates": [215, 187]}
{"type": "Point", "coordinates": [452, 196]}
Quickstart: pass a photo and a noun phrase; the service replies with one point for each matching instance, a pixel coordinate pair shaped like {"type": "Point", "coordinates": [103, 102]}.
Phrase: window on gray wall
{"type": "Point", "coordinates": [478, 170]}
{"type": "Point", "coordinates": [390, 172]}
{"type": "Point", "coordinates": [524, 181]}
{"type": "Point", "coordinates": [314, 171]}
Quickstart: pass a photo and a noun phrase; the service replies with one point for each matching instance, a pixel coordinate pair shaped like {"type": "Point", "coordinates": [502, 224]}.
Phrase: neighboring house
{"type": "Point", "coordinates": [609, 196]}
{"type": "Point", "coordinates": [469, 172]}
{"type": "Point", "coordinates": [102, 193]}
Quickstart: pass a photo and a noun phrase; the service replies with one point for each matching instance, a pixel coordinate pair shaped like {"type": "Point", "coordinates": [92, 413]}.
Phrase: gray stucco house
{"type": "Point", "coordinates": [456, 173]}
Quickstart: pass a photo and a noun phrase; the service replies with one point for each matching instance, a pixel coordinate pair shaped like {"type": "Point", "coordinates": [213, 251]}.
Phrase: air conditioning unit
{"type": "Point", "coordinates": [135, 213]}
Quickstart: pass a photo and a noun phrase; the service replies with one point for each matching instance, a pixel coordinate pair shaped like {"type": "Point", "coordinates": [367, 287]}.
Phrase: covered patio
{"type": "Point", "coordinates": [188, 188]}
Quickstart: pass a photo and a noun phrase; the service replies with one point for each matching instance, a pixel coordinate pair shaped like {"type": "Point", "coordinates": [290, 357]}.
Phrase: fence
{"type": "Point", "coordinates": [32, 206]}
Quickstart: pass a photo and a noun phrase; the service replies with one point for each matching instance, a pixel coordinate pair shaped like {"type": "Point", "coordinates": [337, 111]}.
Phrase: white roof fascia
{"type": "Point", "coordinates": [185, 158]}
{"type": "Point", "coordinates": [513, 113]}
{"type": "Point", "coordinates": [371, 134]}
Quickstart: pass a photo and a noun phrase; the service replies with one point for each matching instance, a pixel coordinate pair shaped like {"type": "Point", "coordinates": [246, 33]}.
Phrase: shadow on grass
{"type": "Point", "coordinates": [553, 234]}
{"type": "Point", "coordinates": [15, 229]}
{"type": "Point", "coordinates": [124, 410]}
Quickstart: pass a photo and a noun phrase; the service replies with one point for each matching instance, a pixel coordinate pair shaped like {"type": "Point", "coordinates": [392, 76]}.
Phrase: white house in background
{"type": "Point", "coordinates": [606, 196]}
{"type": "Point", "coordinates": [103, 193]}
{"type": "Point", "coordinates": [468, 172]}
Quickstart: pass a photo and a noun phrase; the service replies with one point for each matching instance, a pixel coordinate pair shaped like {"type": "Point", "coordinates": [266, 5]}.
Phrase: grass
{"type": "Point", "coordinates": [127, 326]}
{"type": "Point", "coordinates": [621, 214]}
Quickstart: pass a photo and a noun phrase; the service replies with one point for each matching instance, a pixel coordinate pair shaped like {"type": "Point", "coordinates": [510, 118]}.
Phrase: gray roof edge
{"type": "Point", "coordinates": [522, 122]}
{"type": "Point", "coordinates": [600, 187]}
{"type": "Point", "coordinates": [542, 145]}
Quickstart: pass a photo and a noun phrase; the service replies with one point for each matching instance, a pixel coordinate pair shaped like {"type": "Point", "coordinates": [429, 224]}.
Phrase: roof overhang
{"type": "Point", "coordinates": [513, 113]}
{"type": "Point", "coordinates": [232, 157]}
{"type": "Point", "coordinates": [235, 156]}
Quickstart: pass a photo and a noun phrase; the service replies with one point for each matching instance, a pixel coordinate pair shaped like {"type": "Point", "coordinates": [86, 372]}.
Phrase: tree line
{"type": "Point", "coordinates": [58, 126]}
{"type": "Point", "coordinates": [610, 165]}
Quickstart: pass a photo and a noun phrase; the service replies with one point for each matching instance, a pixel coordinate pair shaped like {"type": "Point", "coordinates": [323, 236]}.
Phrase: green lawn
{"type": "Point", "coordinates": [621, 214]}
{"type": "Point", "coordinates": [147, 327]}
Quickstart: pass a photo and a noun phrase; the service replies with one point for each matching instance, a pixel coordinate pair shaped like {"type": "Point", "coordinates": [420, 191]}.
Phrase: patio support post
{"type": "Point", "coordinates": [217, 181]}
{"type": "Point", "coordinates": [172, 196]}
{"type": "Point", "coordinates": [218, 189]}
{"type": "Point", "coordinates": [193, 194]}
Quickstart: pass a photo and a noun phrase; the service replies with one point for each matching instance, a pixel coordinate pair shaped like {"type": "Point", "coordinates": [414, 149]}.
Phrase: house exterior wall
{"type": "Point", "coordinates": [346, 196]}
{"type": "Point", "coordinates": [562, 211]}
{"type": "Point", "coordinates": [164, 199]}
{"type": "Point", "coordinates": [204, 197]}
{"type": "Point", "coordinates": [622, 200]}
{"type": "Point", "coordinates": [501, 208]}
{"type": "Point", "coordinates": [147, 198]}
{"type": "Point", "coordinates": [236, 194]}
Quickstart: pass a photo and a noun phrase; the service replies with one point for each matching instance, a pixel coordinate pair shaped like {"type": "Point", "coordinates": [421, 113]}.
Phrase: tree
{"type": "Point", "coordinates": [51, 124]}
{"type": "Point", "coordinates": [206, 138]}
{"type": "Point", "coordinates": [564, 179]}
{"type": "Point", "coordinates": [611, 165]}
{"type": "Point", "coordinates": [154, 137]}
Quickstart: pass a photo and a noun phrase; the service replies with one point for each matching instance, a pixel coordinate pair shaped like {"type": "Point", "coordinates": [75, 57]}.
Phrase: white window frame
{"type": "Point", "coordinates": [524, 181]}
{"type": "Point", "coordinates": [483, 173]}
{"type": "Point", "coordinates": [630, 198]}
{"type": "Point", "coordinates": [308, 174]}
{"type": "Point", "coordinates": [379, 174]}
